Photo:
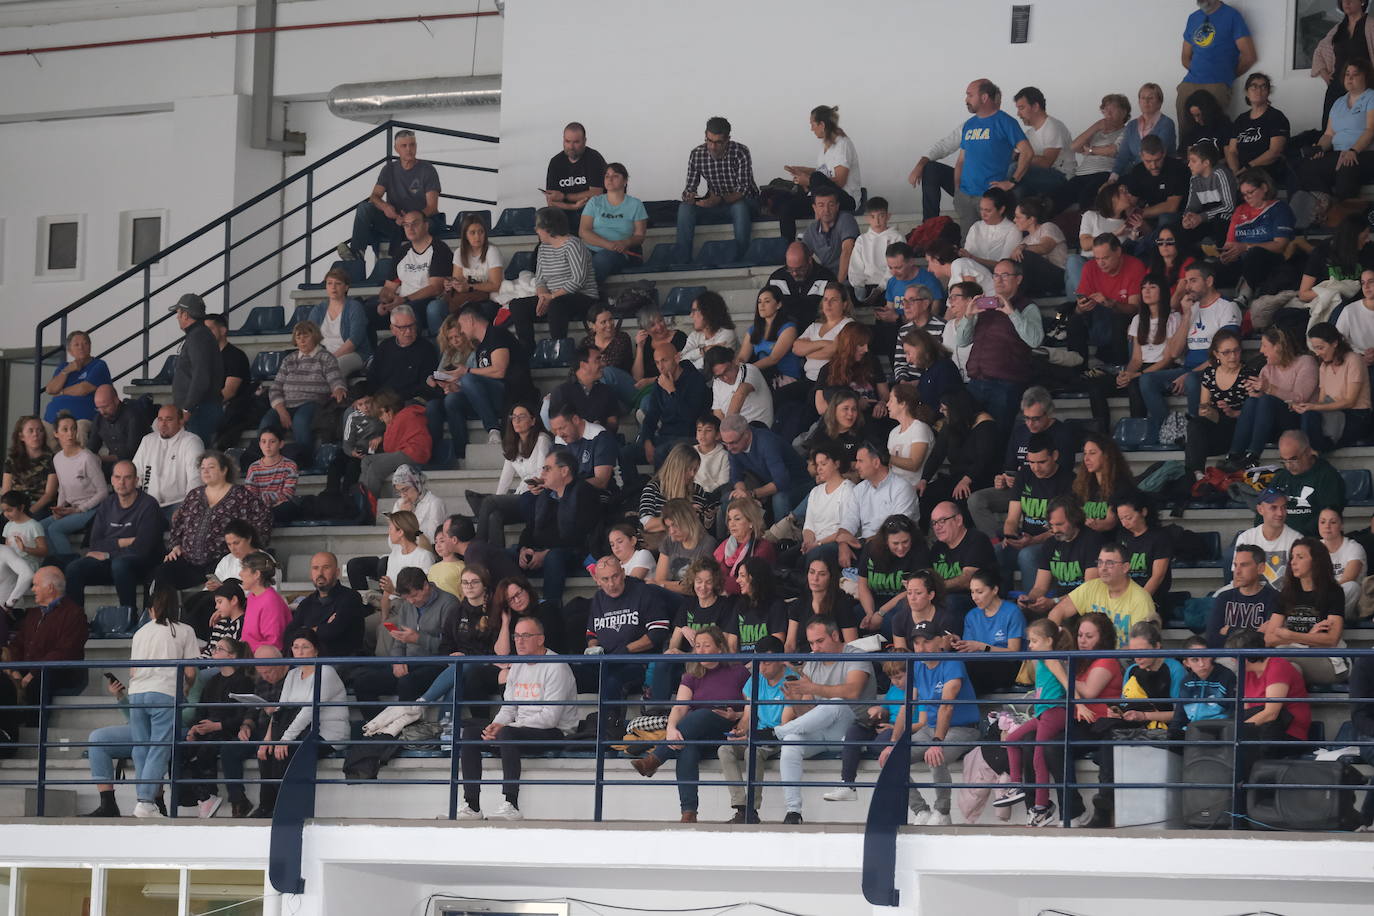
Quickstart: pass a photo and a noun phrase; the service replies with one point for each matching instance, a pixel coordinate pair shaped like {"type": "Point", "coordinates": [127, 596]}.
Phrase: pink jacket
{"type": "Point", "coordinates": [265, 620]}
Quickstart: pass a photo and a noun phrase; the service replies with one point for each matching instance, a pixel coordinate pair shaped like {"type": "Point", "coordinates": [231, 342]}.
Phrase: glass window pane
{"type": "Point", "coordinates": [147, 235]}
{"type": "Point", "coordinates": [62, 246]}
{"type": "Point", "coordinates": [1313, 19]}
{"type": "Point", "coordinates": [4, 890]}
{"type": "Point", "coordinates": [55, 891]}
{"type": "Point", "coordinates": [141, 891]}
{"type": "Point", "coordinates": [226, 893]}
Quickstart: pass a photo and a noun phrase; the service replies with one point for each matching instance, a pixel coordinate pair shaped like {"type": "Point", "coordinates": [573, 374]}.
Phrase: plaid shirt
{"type": "Point", "coordinates": [731, 173]}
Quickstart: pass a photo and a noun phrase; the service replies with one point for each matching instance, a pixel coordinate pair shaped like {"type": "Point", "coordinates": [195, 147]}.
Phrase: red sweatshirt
{"type": "Point", "coordinates": [408, 432]}
{"type": "Point", "coordinates": [59, 635]}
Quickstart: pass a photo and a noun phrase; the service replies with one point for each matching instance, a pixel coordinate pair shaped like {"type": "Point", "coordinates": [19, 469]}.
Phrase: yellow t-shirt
{"type": "Point", "coordinates": [1126, 611]}
{"type": "Point", "coordinates": [448, 575]}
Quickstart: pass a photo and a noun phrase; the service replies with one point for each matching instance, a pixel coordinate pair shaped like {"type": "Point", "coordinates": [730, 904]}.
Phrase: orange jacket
{"type": "Point", "coordinates": [408, 432]}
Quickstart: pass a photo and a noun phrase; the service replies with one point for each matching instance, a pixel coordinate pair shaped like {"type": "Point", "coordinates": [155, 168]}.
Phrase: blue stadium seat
{"type": "Point", "coordinates": [515, 221]}
{"type": "Point", "coordinates": [769, 252]}
{"type": "Point", "coordinates": [680, 298]}
{"type": "Point", "coordinates": [301, 313]}
{"type": "Point", "coordinates": [263, 319]}
{"type": "Point", "coordinates": [356, 270]}
{"type": "Point", "coordinates": [1211, 558]}
{"type": "Point", "coordinates": [164, 375]}
{"type": "Point", "coordinates": [266, 364]}
{"type": "Point", "coordinates": [484, 215]}
{"type": "Point", "coordinates": [521, 260]}
{"type": "Point", "coordinates": [716, 253]}
{"type": "Point", "coordinates": [1359, 488]}
{"type": "Point", "coordinates": [663, 257]}
{"type": "Point", "coordinates": [381, 272]}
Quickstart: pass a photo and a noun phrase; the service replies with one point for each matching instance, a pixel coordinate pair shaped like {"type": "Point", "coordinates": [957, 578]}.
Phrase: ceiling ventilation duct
{"type": "Point", "coordinates": [412, 99]}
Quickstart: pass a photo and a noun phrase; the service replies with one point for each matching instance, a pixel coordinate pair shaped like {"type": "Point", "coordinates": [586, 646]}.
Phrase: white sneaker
{"type": "Point", "coordinates": [1083, 819]}
{"type": "Point", "coordinates": [505, 812]}
{"type": "Point", "coordinates": [843, 793]}
{"type": "Point", "coordinates": [920, 818]}
{"type": "Point", "coordinates": [465, 813]}
{"type": "Point", "coordinates": [209, 806]}
{"type": "Point", "coordinates": [494, 437]}
{"type": "Point", "coordinates": [146, 809]}
{"type": "Point", "coordinates": [939, 820]}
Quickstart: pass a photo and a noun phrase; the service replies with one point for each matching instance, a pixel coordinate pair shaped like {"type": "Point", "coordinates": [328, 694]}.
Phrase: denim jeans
{"type": "Point", "coordinates": [823, 722]}
{"type": "Point", "coordinates": [1356, 428]}
{"type": "Point", "coordinates": [59, 530]}
{"type": "Point", "coordinates": [606, 262]}
{"type": "Point", "coordinates": [150, 719]}
{"type": "Point", "coordinates": [1040, 182]}
{"type": "Point", "coordinates": [372, 227]}
{"type": "Point", "coordinates": [1260, 420]}
{"type": "Point", "coordinates": [615, 679]}
{"type": "Point", "coordinates": [622, 383]}
{"type": "Point", "coordinates": [936, 177]}
{"type": "Point", "coordinates": [477, 398]}
{"type": "Point", "coordinates": [120, 738]}
{"type": "Point", "coordinates": [559, 563]}
{"type": "Point", "coordinates": [302, 425]}
{"type": "Point", "coordinates": [1026, 560]}
{"type": "Point", "coordinates": [741, 214]}
{"type": "Point", "coordinates": [1154, 389]}
{"type": "Point", "coordinates": [1000, 398]}
{"type": "Point", "coordinates": [204, 419]}
{"type": "Point", "coordinates": [126, 574]}
{"type": "Point", "coordinates": [697, 725]}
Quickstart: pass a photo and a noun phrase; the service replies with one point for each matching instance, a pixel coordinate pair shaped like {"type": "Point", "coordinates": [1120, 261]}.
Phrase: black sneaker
{"type": "Point", "coordinates": [240, 808]}
{"type": "Point", "coordinates": [792, 817]}
{"type": "Point", "coordinates": [105, 811]}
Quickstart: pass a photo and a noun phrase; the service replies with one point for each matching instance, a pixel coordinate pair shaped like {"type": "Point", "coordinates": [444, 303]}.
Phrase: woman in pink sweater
{"type": "Point", "coordinates": [267, 616]}
{"type": "Point", "coordinates": [1288, 377]}
{"type": "Point", "coordinates": [1339, 414]}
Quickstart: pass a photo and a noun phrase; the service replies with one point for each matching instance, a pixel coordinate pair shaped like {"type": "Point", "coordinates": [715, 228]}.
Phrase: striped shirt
{"type": "Point", "coordinates": [273, 485]}
{"type": "Point", "coordinates": [651, 503]}
{"type": "Point", "coordinates": [306, 377]}
{"type": "Point", "coordinates": [732, 173]}
{"type": "Point", "coordinates": [568, 268]}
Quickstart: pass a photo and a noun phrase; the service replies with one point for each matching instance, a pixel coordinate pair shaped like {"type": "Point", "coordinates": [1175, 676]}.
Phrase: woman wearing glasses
{"type": "Point", "coordinates": [1261, 228]}
{"type": "Point", "coordinates": [1225, 390]}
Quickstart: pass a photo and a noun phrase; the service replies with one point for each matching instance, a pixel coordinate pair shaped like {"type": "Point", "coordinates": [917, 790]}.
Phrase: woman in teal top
{"type": "Point", "coordinates": [613, 226]}
{"type": "Point", "coordinates": [1047, 723]}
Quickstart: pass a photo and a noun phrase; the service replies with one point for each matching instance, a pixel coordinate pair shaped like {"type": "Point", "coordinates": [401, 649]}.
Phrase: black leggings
{"type": "Point", "coordinates": [360, 569]}
{"type": "Point", "coordinates": [1342, 182]}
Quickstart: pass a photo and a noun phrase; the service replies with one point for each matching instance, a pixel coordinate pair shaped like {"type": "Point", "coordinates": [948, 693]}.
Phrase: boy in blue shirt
{"type": "Point", "coordinates": [770, 677]}
{"type": "Point", "coordinates": [1205, 681]}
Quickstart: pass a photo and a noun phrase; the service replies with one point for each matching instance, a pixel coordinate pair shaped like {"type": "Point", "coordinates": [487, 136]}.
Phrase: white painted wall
{"type": "Point", "coordinates": [647, 75]}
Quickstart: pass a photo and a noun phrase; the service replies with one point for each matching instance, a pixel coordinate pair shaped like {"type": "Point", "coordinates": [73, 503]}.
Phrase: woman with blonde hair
{"type": "Point", "coordinates": [745, 525]}
{"type": "Point", "coordinates": [675, 479]}
{"type": "Point", "coordinates": [685, 539]}
{"type": "Point", "coordinates": [837, 167]}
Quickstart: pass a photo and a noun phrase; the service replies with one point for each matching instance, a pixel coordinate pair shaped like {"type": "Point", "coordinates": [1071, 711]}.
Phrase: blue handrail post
{"type": "Point", "coordinates": [1237, 717]}
{"type": "Point", "coordinates": [41, 803]}
{"type": "Point", "coordinates": [599, 790]}
{"type": "Point", "coordinates": [228, 252]}
{"type": "Point", "coordinates": [173, 764]}
{"type": "Point", "coordinates": [1069, 710]}
{"type": "Point", "coordinates": [751, 750]}
{"type": "Point", "coordinates": [147, 312]}
{"type": "Point", "coordinates": [453, 743]}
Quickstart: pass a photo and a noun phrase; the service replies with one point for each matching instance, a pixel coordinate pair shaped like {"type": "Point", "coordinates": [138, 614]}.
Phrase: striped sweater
{"type": "Point", "coordinates": [568, 268]}
{"type": "Point", "coordinates": [274, 484]}
{"type": "Point", "coordinates": [306, 377]}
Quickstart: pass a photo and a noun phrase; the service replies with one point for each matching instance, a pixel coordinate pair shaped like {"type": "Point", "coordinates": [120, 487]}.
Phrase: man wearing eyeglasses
{"type": "Point", "coordinates": [404, 362]}
{"type": "Point", "coordinates": [1309, 481]}
{"type": "Point", "coordinates": [1112, 592]}
{"type": "Point", "coordinates": [957, 554]}
{"type": "Point", "coordinates": [527, 683]}
{"type": "Point", "coordinates": [989, 506]}
{"type": "Point", "coordinates": [906, 274]}
{"type": "Point", "coordinates": [418, 270]}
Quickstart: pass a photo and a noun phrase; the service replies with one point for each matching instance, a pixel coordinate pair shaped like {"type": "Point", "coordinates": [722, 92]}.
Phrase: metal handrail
{"type": "Point", "coordinates": [225, 224]}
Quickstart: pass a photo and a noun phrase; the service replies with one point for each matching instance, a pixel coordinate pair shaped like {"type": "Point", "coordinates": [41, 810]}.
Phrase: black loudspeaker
{"type": "Point", "coordinates": [1273, 807]}
{"type": "Point", "coordinates": [1208, 809]}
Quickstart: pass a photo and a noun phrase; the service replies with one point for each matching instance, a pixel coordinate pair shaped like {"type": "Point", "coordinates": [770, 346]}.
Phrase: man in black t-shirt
{"type": "Point", "coordinates": [957, 554]}
{"type": "Point", "coordinates": [404, 184]}
{"type": "Point", "coordinates": [499, 376]}
{"type": "Point", "coordinates": [239, 410]}
{"type": "Point", "coordinates": [585, 392]}
{"type": "Point", "coordinates": [1159, 182]}
{"type": "Point", "coordinates": [575, 175]}
{"type": "Point", "coordinates": [1067, 560]}
{"type": "Point", "coordinates": [1026, 526]}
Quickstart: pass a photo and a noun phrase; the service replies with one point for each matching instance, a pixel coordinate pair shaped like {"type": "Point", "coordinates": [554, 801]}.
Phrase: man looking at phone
{"type": "Point", "coordinates": [1109, 296]}
{"type": "Point", "coordinates": [1000, 330]}
{"type": "Point", "coordinates": [1069, 558]}
{"type": "Point", "coordinates": [728, 171]}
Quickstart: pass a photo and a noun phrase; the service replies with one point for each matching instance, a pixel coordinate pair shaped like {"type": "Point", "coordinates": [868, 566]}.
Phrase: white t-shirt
{"type": "Point", "coordinates": [1053, 134]}
{"type": "Point", "coordinates": [812, 366]}
{"type": "Point", "coordinates": [758, 404]}
{"type": "Point", "coordinates": [824, 510]}
{"type": "Point", "coordinates": [992, 243]}
{"type": "Point", "coordinates": [1357, 324]}
{"type": "Point", "coordinates": [1349, 552]}
{"type": "Point", "coordinates": [1059, 254]}
{"type": "Point", "coordinates": [1207, 321]}
{"type": "Point", "coordinates": [479, 269]}
{"type": "Point", "coordinates": [698, 343]}
{"type": "Point", "coordinates": [642, 559]}
{"type": "Point", "coordinates": [900, 444]}
{"type": "Point", "coordinates": [841, 153]}
{"type": "Point", "coordinates": [412, 271]}
{"type": "Point", "coordinates": [229, 567]}
{"type": "Point", "coordinates": [1094, 224]}
{"type": "Point", "coordinates": [969, 269]}
{"type": "Point", "coordinates": [1151, 352]}
{"type": "Point", "coordinates": [868, 260]}
{"type": "Point", "coordinates": [1276, 551]}
{"type": "Point", "coordinates": [419, 558]}
{"type": "Point", "coordinates": [715, 468]}
{"type": "Point", "coordinates": [332, 331]}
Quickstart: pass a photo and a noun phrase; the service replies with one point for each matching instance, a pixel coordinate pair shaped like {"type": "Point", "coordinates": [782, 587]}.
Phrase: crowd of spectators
{"type": "Point", "coordinates": [871, 459]}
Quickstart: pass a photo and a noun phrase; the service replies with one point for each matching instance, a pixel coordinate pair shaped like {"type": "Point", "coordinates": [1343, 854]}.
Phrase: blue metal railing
{"type": "Point", "coordinates": [102, 315]}
{"type": "Point", "coordinates": [888, 807]}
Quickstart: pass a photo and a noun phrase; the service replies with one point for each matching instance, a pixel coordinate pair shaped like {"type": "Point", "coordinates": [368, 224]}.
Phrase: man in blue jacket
{"type": "Point", "coordinates": [678, 397]}
{"type": "Point", "coordinates": [762, 467]}
{"type": "Point", "coordinates": [125, 541]}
